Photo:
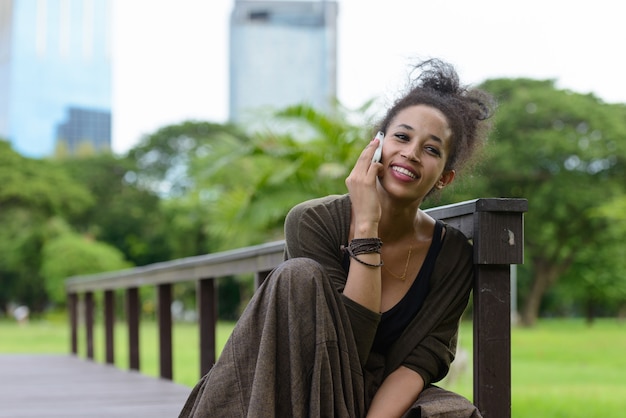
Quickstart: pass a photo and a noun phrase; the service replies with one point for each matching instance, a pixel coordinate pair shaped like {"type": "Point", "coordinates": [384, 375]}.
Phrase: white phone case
{"type": "Point", "coordinates": [379, 151]}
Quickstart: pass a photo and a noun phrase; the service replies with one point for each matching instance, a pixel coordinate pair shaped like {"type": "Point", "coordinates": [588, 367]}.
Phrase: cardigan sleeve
{"type": "Point", "coordinates": [433, 333]}
{"type": "Point", "coordinates": [316, 229]}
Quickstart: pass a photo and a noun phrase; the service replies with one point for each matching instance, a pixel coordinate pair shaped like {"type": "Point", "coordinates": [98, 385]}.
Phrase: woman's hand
{"type": "Point", "coordinates": [361, 185]}
{"type": "Point", "coordinates": [363, 284]}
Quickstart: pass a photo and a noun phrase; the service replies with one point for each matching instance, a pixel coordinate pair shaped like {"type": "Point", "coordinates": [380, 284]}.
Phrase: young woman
{"type": "Point", "coordinates": [362, 317]}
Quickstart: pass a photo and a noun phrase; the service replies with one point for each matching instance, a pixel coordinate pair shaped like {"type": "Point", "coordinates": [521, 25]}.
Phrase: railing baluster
{"type": "Point", "coordinates": [73, 308]}
{"type": "Point", "coordinates": [132, 318]}
{"type": "Point", "coordinates": [259, 277]}
{"type": "Point", "coordinates": [109, 326]}
{"type": "Point", "coordinates": [89, 323]}
{"type": "Point", "coordinates": [165, 329]}
{"type": "Point", "coordinates": [207, 319]}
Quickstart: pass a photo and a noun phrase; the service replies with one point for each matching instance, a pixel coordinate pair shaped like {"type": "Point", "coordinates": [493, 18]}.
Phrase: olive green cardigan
{"type": "Point", "coordinates": [318, 228]}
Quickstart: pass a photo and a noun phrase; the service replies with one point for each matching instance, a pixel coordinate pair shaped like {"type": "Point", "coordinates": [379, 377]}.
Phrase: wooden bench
{"type": "Point", "coordinates": [495, 227]}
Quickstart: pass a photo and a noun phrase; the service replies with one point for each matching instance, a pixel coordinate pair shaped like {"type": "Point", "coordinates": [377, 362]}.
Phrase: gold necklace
{"type": "Point", "coordinates": [406, 267]}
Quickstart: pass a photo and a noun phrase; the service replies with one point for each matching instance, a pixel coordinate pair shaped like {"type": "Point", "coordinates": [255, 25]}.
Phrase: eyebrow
{"type": "Point", "coordinates": [410, 128]}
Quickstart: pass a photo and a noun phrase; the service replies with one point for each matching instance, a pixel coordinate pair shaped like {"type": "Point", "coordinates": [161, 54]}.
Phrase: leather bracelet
{"type": "Point", "coordinates": [360, 246]}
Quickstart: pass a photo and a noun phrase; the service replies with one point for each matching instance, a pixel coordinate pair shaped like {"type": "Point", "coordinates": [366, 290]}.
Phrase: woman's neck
{"type": "Point", "coordinates": [398, 222]}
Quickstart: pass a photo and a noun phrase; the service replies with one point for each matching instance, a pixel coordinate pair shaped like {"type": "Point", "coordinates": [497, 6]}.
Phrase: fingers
{"type": "Point", "coordinates": [361, 184]}
{"type": "Point", "coordinates": [367, 156]}
{"type": "Point", "coordinates": [365, 171]}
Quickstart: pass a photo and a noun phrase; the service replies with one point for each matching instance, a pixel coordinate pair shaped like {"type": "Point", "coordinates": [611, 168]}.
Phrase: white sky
{"type": "Point", "coordinates": [170, 57]}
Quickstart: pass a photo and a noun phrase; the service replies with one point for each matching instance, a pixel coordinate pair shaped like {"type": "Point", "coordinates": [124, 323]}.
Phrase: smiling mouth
{"type": "Point", "coordinates": [404, 171]}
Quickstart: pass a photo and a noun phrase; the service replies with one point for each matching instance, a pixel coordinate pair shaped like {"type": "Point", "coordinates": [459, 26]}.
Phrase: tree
{"type": "Point", "coordinates": [31, 192]}
{"type": "Point", "coordinates": [566, 153]}
{"type": "Point", "coordinates": [40, 185]}
{"type": "Point", "coordinates": [163, 165]}
{"type": "Point", "coordinates": [125, 214]}
{"type": "Point", "coordinates": [249, 186]}
{"type": "Point", "coordinates": [66, 253]}
{"type": "Point", "coordinates": [162, 158]}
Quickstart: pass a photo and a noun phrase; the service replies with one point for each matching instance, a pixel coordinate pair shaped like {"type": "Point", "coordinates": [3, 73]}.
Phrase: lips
{"type": "Point", "coordinates": [404, 171]}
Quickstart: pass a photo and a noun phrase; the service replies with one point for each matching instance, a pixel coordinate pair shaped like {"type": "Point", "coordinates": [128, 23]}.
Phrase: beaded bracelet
{"type": "Point", "coordinates": [360, 246]}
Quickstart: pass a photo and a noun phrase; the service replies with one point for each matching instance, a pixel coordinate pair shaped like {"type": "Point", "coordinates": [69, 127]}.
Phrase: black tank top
{"type": "Point", "coordinates": [395, 320]}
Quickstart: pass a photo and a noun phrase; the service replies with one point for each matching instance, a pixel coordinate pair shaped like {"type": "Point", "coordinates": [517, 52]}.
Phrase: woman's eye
{"type": "Point", "coordinates": [433, 151]}
{"type": "Point", "coordinates": [402, 137]}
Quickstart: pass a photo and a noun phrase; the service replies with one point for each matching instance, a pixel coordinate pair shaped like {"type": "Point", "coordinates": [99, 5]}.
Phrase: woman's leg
{"type": "Point", "coordinates": [291, 354]}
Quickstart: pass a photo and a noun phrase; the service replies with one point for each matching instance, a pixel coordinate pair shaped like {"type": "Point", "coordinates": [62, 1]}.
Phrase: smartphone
{"type": "Point", "coordinates": [379, 151]}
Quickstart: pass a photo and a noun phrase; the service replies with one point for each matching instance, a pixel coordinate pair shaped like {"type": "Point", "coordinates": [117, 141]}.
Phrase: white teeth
{"type": "Point", "coordinates": [403, 171]}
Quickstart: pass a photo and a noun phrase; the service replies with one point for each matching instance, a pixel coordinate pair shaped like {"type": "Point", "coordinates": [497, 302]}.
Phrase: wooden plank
{"type": "Point", "coordinates": [244, 260]}
{"type": "Point", "coordinates": [59, 386]}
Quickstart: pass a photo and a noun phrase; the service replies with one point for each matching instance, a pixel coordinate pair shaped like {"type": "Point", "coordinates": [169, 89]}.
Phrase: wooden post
{"type": "Point", "coordinates": [109, 326]}
{"type": "Point", "coordinates": [165, 329]}
{"type": "Point", "coordinates": [492, 341]}
{"type": "Point", "coordinates": [498, 243]}
{"type": "Point", "coordinates": [132, 318]}
{"type": "Point", "coordinates": [207, 319]}
{"type": "Point", "coordinates": [89, 323]}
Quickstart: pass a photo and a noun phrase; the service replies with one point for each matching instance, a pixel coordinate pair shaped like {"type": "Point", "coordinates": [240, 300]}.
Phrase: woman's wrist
{"type": "Point", "coordinates": [362, 250]}
{"type": "Point", "coordinates": [366, 230]}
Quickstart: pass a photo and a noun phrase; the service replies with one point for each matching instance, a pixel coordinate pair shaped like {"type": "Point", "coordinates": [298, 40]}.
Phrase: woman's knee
{"type": "Point", "coordinates": [300, 275]}
{"type": "Point", "coordinates": [300, 269]}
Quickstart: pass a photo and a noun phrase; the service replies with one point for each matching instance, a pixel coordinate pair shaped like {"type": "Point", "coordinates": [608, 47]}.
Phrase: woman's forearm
{"type": "Point", "coordinates": [363, 284]}
{"type": "Point", "coordinates": [397, 393]}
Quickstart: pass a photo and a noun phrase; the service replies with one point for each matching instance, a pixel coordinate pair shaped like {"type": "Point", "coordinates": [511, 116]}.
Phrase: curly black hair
{"type": "Point", "coordinates": [436, 83]}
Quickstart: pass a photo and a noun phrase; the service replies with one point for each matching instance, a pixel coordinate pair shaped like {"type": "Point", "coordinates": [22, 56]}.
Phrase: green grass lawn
{"type": "Point", "coordinates": [560, 368]}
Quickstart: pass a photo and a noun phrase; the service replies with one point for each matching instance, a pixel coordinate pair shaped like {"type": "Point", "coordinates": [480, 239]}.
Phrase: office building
{"type": "Point", "coordinates": [282, 53]}
{"type": "Point", "coordinates": [55, 74]}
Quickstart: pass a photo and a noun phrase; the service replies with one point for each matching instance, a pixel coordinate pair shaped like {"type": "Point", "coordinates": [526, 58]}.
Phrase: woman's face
{"type": "Point", "coordinates": [415, 151]}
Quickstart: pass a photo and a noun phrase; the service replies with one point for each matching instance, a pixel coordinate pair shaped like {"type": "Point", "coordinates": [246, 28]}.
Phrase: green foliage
{"type": "Point", "coordinates": [595, 283]}
{"type": "Point", "coordinates": [125, 214]}
{"type": "Point", "coordinates": [162, 159]}
{"type": "Point", "coordinates": [21, 238]}
{"type": "Point", "coordinates": [566, 153]}
{"type": "Point", "coordinates": [199, 187]}
{"type": "Point", "coordinates": [39, 185]}
{"type": "Point", "coordinates": [69, 254]}
{"type": "Point", "coordinates": [31, 192]}
{"type": "Point", "coordinates": [164, 163]}
{"type": "Point", "coordinates": [251, 183]}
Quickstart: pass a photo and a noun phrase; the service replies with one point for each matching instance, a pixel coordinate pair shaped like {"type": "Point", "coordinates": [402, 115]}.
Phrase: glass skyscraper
{"type": "Point", "coordinates": [282, 53]}
{"type": "Point", "coordinates": [55, 74]}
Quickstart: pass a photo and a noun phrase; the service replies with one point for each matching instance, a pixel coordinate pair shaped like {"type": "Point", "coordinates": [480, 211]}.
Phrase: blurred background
{"type": "Point", "coordinates": [141, 131]}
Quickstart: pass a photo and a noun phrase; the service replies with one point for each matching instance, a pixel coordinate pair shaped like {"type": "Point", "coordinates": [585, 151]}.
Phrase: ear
{"type": "Point", "coordinates": [446, 178]}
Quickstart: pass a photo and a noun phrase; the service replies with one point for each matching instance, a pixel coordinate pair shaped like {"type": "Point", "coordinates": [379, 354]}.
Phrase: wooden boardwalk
{"type": "Point", "coordinates": [61, 386]}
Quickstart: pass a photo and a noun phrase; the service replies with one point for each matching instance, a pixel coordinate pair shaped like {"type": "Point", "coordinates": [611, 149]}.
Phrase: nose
{"type": "Point", "coordinates": [411, 153]}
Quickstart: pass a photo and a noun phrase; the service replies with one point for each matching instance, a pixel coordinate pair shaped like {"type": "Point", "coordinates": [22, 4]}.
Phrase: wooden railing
{"type": "Point", "coordinates": [494, 225]}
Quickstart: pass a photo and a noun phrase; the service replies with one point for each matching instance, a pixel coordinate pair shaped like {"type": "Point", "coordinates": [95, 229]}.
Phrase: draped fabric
{"type": "Point", "coordinates": [293, 354]}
